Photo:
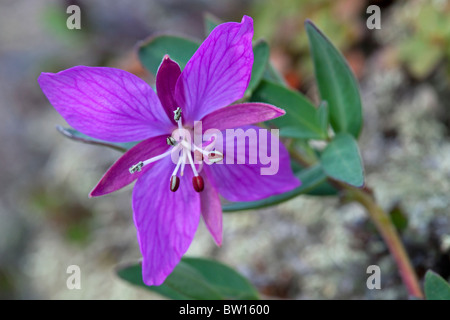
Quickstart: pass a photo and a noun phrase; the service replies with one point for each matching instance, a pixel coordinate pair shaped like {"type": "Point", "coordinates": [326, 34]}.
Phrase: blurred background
{"type": "Point", "coordinates": [307, 248]}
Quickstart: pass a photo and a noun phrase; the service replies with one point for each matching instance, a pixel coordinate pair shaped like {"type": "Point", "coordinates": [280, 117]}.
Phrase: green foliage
{"type": "Point", "coordinates": [336, 83]}
{"type": "Point", "coordinates": [179, 49]}
{"type": "Point", "coordinates": [311, 178]}
{"type": "Point", "coordinates": [260, 63]}
{"type": "Point", "coordinates": [195, 278]}
{"type": "Point", "coordinates": [436, 288]}
{"type": "Point", "coordinates": [301, 120]}
{"type": "Point", "coordinates": [323, 114]}
{"type": "Point", "coordinates": [341, 160]}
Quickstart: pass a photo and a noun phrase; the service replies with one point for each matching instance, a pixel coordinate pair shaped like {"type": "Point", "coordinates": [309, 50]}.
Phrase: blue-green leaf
{"type": "Point", "coordinates": [273, 75]}
{"type": "Point", "coordinates": [195, 278]}
{"type": "Point", "coordinates": [324, 117]}
{"type": "Point", "coordinates": [311, 178]}
{"type": "Point", "coordinates": [436, 288]}
{"type": "Point", "coordinates": [301, 119]}
{"type": "Point", "coordinates": [323, 189]}
{"type": "Point", "coordinates": [224, 279]}
{"type": "Point", "coordinates": [341, 160]}
{"type": "Point", "coordinates": [152, 51]}
{"type": "Point", "coordinates": [336, 83]}
{"type": "Point", "coordinates": [78, 136]}
{"type": "Point", "coordinates": [260, 62]}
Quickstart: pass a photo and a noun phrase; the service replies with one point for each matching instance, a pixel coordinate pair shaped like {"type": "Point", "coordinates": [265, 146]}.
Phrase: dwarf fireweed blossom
{"type": "Point", "coordinates": [173, 186]}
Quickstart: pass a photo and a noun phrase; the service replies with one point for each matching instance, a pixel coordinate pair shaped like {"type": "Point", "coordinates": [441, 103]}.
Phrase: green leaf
{"type": "Point", "coordinates": [210, 21]}
{"type": "Point", "coordinates": [195, 278]}
{"type": "Point", "coordinates": [324, 117]}
{"type": "Point", "coordinates": [271, 74]}
{"type": "Point", "coordinates": [310, 178]}
{"type": "Point", "coordinates": [261, 53]}
{"type": "Point", "coordinates": [78, 136]}
{"type": "Point", "coordinates": [176, 286]}
{"type": "Point", "coordinates": [323, 189]}
{"type": "Point", "coordinates": [300, 121]}
{"type": "Point", "coordinates": [224, 279]}
{"type": "Point", "coordinates": [341, 160]}
{"type": "Point", "coordinates": [336, 83]}
{"type": "Point", "coordinates": [436, 288]}
{"type": "Point", "coordinates": [152, 51]}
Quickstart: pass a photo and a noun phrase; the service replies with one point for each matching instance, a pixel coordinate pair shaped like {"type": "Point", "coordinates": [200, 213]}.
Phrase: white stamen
{"type": "Point", "coordinates": [210, 159]}
{"type": "Point", "coordinates": [163, 155]}
{"type": "Point", "coordinates": [181, 145]}
{"type": "Point", "coordinates": [180, 160]}
{"type": "Point", "coordinates": [186, 145]}
{"type": "Point", "coordinates": [138, 166]}
{"type": "Point", "coordinates": [200, 167]}
{"type": "Point", "coordinates": [191, 162]}
{"type": "Point", "coordinates": [183, 163]}
{"type": "Point", "coordinates": [206, 150]}
{"type": "Point", "coordinates": [212, 144]}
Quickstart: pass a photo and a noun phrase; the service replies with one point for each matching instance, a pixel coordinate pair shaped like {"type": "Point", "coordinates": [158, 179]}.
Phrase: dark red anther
{"type": "Point", "coordinates": [198, 183]}
{"type": "Point", "coordinates": [174, 183]}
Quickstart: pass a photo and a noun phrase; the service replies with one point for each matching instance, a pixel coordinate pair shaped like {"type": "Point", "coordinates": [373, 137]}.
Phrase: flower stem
{"type": "Point", "coordinates": [384, 226]}
{"type": "Point", "coordinates": [390, 236]}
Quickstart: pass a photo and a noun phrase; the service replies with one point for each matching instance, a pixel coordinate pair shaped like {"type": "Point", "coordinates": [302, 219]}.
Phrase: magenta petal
{"type": "Point", "coordinates": [211, 210]}
{"type": "Point", "coordinates": [166, 221]}
{"type": "Point", "coordinates": [245, 182]}
{"type": "Point", "coordinates": [106, 103]}
{"type": "Point", "coordinates": [118, 175]}
{"type": "Point", "coordinates": [166, 79]}
{"type": "Point", "coordinates": [239, 115]}
{"type": "Point", "coordinates": [219, 71]}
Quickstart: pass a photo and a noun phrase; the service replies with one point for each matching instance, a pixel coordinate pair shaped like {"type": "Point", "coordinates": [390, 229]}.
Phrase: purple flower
{"type": "Point", "coordinates": [116, 106]}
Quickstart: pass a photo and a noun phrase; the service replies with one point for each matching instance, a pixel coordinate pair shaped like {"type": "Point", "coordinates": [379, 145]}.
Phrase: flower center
{"type": "Point", "coordinates": [182, 146]}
